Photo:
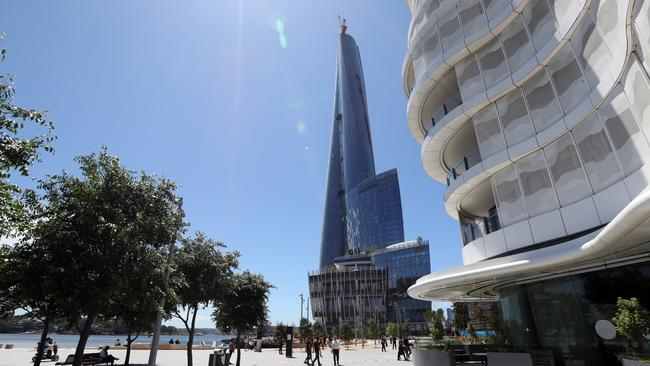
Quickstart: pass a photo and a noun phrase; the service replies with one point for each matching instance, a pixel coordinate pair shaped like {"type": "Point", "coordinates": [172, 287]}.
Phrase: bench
{"type": "Point", "coordinates": [88, 359]}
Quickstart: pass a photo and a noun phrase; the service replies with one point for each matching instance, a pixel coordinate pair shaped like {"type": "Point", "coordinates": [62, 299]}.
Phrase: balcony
{"type": "Point", "coordinates": [477, 227]}
{"type": "Point", "coordinates": [477, 213]}
{"type": "Point", "coordinates": [472, 158]}
{"type": "Point", "coordinates": [444, 98]}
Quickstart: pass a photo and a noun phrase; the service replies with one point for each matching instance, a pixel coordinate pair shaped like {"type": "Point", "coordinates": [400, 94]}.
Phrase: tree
{"type": "Point", "coordinates": [280, 334]}
{"type": "Point", "coordinates": [318, 329]}
{"type": "Point", "coordinates": [472, 332]}
{"type": "Point", "coordinates": [93, 227]}
{"type": "Point", "coordinates": [204, 275]}
{"type": "Point", "coordinates": [436, 329]}
{"type": "Point", "coordinates": [17, 152]}
{"type": "Point", "coordinates": [136, 304]}
{"type": "Point", "coordinates": [373, 331]}
{"type": "Point", "coordinates": [243, 305]}
{"type": "Point", "coordinates": [347, 334]}
{"type": "Point", "coordinates": [392, 329]}
{"type": "Point", "coordinates": [304, 329]}
{"type": "Point", "coordinates": [632, 321]}
{"type": "Point", "coordinates": [461, 315]}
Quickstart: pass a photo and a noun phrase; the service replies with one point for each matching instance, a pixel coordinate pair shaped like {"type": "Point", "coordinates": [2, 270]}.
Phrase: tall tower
{"type": "Point", "coordinates": [351, 159]}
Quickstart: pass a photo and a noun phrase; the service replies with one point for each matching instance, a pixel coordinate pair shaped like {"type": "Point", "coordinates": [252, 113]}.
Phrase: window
{"type": "Point", "coordinates": [449, 29]}
{"type": "Point", "coordinates": [544, 107]}
{"type": "Point", "coordinates": [516, 45]}
{"type": "Point", "coordinates": [571, 86]}
{"type": "Point", "coordinates": [540, 22]}
{"type": "Point", "coordinates": [536, 184]}
{"type": "Point", "coordinates": [596, 153]}
{"type": "Point", "coordinates": [472, 16]}
{"type": "Point", "coordinates": [510, 203]}
{"type": "Point", "coordinates": [469, 78]}
{"type": "Point", "coordinates": [493, 64]}
{"type": "Point", "coordinates": [488, 131]}
{"type": "Point", "coordinates": [515, 120]}
{"type": "Point", "coordinates": [566, 171]}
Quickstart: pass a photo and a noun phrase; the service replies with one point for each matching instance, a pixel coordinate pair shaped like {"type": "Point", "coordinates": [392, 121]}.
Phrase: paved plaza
{"type": "Point", "coordinates": [353, 357]}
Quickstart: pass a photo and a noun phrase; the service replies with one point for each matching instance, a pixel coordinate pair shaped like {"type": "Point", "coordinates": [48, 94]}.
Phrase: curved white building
{"type": "Point", "coordinates": [536, 115]}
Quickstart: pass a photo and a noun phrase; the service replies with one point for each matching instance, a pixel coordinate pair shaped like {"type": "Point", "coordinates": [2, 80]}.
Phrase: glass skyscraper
{"type": "Point", "coordinates": [362, 216]}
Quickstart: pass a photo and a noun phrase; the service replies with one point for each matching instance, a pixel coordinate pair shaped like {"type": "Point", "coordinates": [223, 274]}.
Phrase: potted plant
{"type": "Point", "coordinates": [632, 321]}
{"type": "Point", "coordinates": [505, 355]}
{"type": "Point", "coordinates": [436, 352]}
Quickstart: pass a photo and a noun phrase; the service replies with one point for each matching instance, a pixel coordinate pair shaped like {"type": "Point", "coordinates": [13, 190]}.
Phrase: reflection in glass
{"type": "Point", "coordinates": [570, 181]}
{"type": "Point", "coordinates": [488, 131]}
{"type": "Point", "coordinates": [536, 184]}
{"type": "Point", "coordinates": [515, 120]}
{"type": "Point", "coordinates": [510, 203]}
{"type": "Point", "coordinates": [544, 107]}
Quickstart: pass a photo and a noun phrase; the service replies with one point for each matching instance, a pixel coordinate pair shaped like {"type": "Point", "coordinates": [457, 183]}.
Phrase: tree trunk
{"type": "Point", "coordinates": [83, 338]}
{"type": "Point", "coordinates": [128, 348]}
{"type": "Point", "coordinates": [238, 350]}
{"type": "Point", "coordinates": [190, 339]}
{"type": "Point", "coordinates": [40, 347]}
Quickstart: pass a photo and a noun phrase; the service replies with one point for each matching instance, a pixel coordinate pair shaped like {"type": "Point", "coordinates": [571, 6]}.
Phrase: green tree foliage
{"type": "Point", "coordinates": [347, 334]}
{"type": "Point", "coordinates": [373, 331]}
{"type": "Point", "coordinates": [304, 329]}
{"type": "Point", "coordinates": [392, 329]}
{"type": "Point", "coordinates": [318, 329]}
{"type": "Point", "coordinates": [92, 229]}
{"type": "Point", "coordinates": [461, 315]}
{"type": "Point", "coordinates": [203, 275]}
{"type": "Point", "coordinates": [436, 328]}
{"type": "Point", "coordinates": [243, 305]}
{"type": "Point", "coordinates": [632, 321]}
{"type": "Point", "coordinates": [470, 329]}
{"type": "Point", "coordinates": [280, 334]}
{"type": "Point", "coordinates": [17, 151]}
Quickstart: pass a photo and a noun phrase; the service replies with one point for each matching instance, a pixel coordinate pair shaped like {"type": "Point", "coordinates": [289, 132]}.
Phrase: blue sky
{"type": "Point", "coordinates": [207, 93]}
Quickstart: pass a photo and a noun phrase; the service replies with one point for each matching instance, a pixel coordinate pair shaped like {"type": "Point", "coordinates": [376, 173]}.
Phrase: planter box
{"type": "Point", "coordinates": [425, 357]}
{"type": "Point", "coordinates": [509, 359]}
{"type": "Point", "coordinates": [627, 362]}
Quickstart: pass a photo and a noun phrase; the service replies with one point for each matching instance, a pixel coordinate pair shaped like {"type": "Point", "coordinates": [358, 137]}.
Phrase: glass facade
{"type": "Point", "coordinates": [374, 213]}
{"type": "Point", "coordinates": [559, 315]}
{"type": "Point", "coordinates": [406, 262]}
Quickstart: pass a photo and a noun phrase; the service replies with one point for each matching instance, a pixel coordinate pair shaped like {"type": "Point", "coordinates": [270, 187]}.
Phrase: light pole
{"type": "Point", "coordinates": [302, 301]}
{"type": "Point", "coordinates": [161, 304]}
{"type": "Point", "coordinates": [307, 309]}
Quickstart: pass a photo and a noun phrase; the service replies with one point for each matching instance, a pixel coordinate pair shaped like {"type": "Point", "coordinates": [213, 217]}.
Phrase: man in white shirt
{"type": "Point", "coordinates": [335, 350]}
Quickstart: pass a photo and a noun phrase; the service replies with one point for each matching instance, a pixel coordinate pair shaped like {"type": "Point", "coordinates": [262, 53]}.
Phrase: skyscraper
{"type": "Point", "coordinates": [535, 114]}
{"type": "Point", "coordinates": [362, 215]}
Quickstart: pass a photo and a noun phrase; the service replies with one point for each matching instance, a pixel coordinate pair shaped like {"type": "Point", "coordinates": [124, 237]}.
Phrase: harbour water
{"type": "Point", "coordinates": [22, 340]}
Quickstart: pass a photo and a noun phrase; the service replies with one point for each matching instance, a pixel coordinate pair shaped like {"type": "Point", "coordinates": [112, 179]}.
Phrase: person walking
{"type": "Point", "coordinates": [308, 346]}
{"type": "Point", "coordinates": [401, 351]}
{"type": "Point", "coordinates": [383, 343]}
{"type": "Point", "coordinates": [316, 352]}
{"type": "Point", "coordinates": [335, 345]}
{"type": "Point", "coordinates": [231, 349]}
{"type": "Point", "coordinates": [393, 341]}
{"type": "Point", "coordinates": [280, 347]}
{"type": "Point", "coordinates": [407, 347]}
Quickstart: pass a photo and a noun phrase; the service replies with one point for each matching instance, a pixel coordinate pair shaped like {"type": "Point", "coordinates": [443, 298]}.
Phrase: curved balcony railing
{"type": "Point", "coordinates": [452, 102]}
{"type": "Point", "coordinates": [469, 160]}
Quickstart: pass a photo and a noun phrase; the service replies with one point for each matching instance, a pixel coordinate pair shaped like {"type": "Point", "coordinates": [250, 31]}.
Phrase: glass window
{"type": "Point", "coordinates": [495, 8]}
{"type": "Point", "coordinates": [515, 120]}
{"type": "Point", "coordinates": [493, 64]}
{"type": "Point", "coordinates": [488, 131]}
{"type": "Point", "coordinates": [540, 22]}
{"type": "Point", "coordinates": [629, 142]}
{"type": "Point", "coordinates": [449, 29]}
{"type": "Point", "coordinates": [516, 44]}
{"type": "Point", "coordinates": [510, 203]}
{"type": "Point", "coordinates": [571, 86]}
{"type": "Point", "coordinates": [472, 16]}
{"type": "Point", "coordinates": [544, 107]}
{"type": "Point", "coordinates": [469, 78]}
{"type": "Point", "coordinates": [536, 184]}
{"type": "Point", "coordinates": [566, 171]}
{"type": "Point", "coordinates": [596, 153]}
{"type": "Point", "coordinates": [638, 92]}
{"type": "Point", "coordinates": [591, 50]}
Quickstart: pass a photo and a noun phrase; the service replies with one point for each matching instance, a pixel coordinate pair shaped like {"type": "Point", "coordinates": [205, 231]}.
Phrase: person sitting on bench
{"type": "Point", "coordinates": [103, 354]}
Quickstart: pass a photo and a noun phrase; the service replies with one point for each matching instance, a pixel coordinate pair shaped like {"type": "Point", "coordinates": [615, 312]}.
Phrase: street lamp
{"type": "Point", "coordinates": [161, 304]}
{"type": "Point", "coordinates": [302, 301]}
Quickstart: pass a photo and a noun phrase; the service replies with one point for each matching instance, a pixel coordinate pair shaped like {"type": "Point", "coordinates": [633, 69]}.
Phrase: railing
{"type": "Point", "coordinates": [464, 164]}
{"type": "Point", "coordinates": [451, 103]}
{"type": "Point", "coordinates": [480, 226]}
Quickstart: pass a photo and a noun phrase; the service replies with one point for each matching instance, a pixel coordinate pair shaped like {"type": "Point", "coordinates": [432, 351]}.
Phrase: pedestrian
{"type": "Point", "coordinates": [383, 343]}
{"type": "Point", "coordinates": [401, 351]}
{"type": "Point", "coordinates": [280, 346]}
{"type": "Point", "coordinates": [308, 346]}
{"type": "Point", "coordinates": [105, 357]}
{"type": "Point", "coordinates": [407, 347]}
{"type": "Point", "coordinates": [231, 349]}
{"type": "Point", "coordinates": [335, 345]}
{"type": "Point", "coordinates": [393, 341]}
{"type": "Point", "coordinates": [316, 352]}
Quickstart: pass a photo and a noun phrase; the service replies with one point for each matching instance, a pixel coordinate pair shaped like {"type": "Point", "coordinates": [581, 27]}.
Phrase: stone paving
{"type": "Point", "coordinates": [369, 356]}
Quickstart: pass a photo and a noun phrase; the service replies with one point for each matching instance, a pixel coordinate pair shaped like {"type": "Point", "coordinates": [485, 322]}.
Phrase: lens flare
{"type": "Point", "coordinates": [279, 26]}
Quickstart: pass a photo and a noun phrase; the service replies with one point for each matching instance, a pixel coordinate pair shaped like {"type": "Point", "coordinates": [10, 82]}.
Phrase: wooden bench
{"type": "Point", "coordinates": [88, 359]}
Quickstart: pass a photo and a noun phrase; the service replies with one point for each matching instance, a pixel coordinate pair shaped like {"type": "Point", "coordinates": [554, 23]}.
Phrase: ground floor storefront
{"type": "Point", "coordinates": [560, 314]}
